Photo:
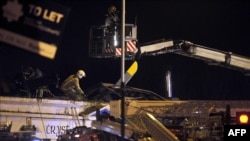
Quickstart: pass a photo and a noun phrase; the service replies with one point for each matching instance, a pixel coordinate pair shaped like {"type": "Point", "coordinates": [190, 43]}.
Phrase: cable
{"type": "Point", "coordinates": [41, 118]}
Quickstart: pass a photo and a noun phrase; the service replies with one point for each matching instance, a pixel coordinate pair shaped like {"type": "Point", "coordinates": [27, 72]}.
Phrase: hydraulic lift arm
{"type": "Point", "coordinates": [189, 49]}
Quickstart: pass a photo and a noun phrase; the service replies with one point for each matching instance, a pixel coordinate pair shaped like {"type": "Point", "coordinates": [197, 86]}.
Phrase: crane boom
{"type": "Point", "coordinates": [189, 49]}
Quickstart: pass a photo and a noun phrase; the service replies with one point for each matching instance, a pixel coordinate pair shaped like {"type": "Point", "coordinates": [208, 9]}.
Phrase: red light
{"type": "Point", "coordinates": [242, 117]}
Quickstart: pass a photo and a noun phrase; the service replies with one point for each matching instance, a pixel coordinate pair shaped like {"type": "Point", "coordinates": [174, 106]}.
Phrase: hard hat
{"type": "Point", "coordinates": [81, 73]}
{"type": "Point", "coordinates": [112, 9]}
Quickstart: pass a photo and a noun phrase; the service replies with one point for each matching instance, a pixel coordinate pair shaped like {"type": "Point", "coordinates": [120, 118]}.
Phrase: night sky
{"type": "Point", "coordinates": [222, 25]}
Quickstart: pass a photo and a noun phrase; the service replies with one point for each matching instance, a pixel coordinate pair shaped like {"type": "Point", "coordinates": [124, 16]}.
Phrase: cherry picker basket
{"type": "Point", "coordinates": [105, 41]}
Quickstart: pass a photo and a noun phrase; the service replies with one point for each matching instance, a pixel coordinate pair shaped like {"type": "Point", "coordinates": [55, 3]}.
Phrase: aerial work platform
{"type": "Point", "coordinates": [105, 41]}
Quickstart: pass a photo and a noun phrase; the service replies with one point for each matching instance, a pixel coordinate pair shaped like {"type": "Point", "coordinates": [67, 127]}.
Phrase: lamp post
{"type": "Point", "coordinates": [123, 70]}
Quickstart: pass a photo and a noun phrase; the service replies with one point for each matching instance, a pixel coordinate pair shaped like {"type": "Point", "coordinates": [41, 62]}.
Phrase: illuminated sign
{"type": "Point", "coordinates": [35, 26]}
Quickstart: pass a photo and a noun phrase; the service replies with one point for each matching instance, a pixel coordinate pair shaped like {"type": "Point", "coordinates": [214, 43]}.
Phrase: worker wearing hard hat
{"type": "Point", "coordinates": [71, 87]}
{"type": "Point", "coordinates": [112, 16]}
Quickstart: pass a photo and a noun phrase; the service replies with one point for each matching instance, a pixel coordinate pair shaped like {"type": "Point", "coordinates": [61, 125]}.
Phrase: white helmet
{"type": "Point", "coordinates": [81, 73]}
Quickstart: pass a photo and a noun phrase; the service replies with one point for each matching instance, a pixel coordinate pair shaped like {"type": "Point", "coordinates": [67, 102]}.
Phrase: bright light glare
{"type": "Point", "coordinates": [243, 119]}
{"type": "Point", "coordinates": [77, 135]}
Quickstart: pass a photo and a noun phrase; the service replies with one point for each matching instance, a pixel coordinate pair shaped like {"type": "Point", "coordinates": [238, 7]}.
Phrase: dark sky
{"type": "Point", "coordinates": [222, 25]}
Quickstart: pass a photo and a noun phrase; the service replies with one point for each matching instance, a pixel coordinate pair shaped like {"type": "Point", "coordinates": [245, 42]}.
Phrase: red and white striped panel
{"type": "Point", "coordinates": [131, 46]}
{"type": "Point", "coordinates": [118, 51]}
{"type": "Point", "coordinates": [108, 50]}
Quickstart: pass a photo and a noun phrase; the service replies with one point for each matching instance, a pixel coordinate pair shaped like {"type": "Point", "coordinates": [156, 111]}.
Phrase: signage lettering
{"type": "Point", "coordinates": [56, 129]}
{"type": "Point", "coordinates": [46, 14]}
{"type": "Point", "coordinates": [52, 16]}
{"type": "Point", "coordinates": [36, 10]}
{"type": "Point", "coordinates": [237, 132]}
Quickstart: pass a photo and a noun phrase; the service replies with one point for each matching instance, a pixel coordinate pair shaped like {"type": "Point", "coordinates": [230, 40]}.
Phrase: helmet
{"type": "Point", "coordinates": [81, 73]}
{"type": "Point", "coordinates": [112, 9]}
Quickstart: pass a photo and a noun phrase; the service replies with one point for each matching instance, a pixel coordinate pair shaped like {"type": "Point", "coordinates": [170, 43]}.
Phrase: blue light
{"type": "Point", "coordinates": [101, 112]}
